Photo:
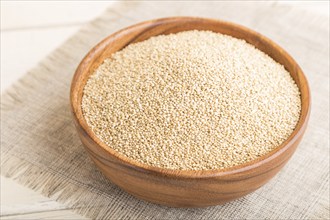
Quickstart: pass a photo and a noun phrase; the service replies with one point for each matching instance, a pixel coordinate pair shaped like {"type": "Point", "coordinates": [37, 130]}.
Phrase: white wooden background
{"type": "Point", "coordinates": [29, 31]}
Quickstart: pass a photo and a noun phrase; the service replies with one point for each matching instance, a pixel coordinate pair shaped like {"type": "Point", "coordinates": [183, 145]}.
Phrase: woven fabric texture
{"type": "Point", "coordinates": [41, 150]}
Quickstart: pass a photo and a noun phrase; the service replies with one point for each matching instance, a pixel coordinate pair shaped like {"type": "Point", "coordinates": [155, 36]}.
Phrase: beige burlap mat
{"type": "Point", "coordinates": [40, 148]}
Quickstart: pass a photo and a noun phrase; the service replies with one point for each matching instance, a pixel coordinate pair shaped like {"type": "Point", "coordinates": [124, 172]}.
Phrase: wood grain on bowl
{"type": "Point", "coordinates": [184, 188]}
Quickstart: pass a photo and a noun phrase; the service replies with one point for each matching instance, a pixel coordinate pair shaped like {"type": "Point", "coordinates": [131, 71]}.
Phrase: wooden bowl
{"type": "Point", "coordinates": [178, 188]}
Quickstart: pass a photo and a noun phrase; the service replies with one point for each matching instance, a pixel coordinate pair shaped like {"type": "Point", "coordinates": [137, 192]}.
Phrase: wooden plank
{"type": "Point", "coordinates": [22, 49]}
{"type": "Point", "coordinates": [18, 202]}
{"type": "Point", "coordinates": [31, 14]}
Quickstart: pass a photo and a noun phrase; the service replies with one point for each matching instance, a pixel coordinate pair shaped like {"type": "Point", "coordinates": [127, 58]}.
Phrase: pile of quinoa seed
{"type": "Point", "coordinates": [194, 100]}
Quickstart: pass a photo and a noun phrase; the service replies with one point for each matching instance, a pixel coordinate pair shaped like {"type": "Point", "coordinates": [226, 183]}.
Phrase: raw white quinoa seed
{"type": "Point", "coordinates": [195, 100]}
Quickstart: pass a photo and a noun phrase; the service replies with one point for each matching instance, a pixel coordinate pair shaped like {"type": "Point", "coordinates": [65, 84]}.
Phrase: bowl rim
{"type": "Point", "coordinates": [235, 170]}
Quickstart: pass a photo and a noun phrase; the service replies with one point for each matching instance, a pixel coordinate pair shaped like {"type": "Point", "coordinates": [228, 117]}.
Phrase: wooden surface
{"type": "Point", "coordinates": [184, 188]}
{"type": "Point", "coordinates": [39, 27]}
{"type": "Point", "coordinates": [22, 31]}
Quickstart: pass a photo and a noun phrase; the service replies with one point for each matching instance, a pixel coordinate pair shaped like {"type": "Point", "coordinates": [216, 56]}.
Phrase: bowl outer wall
{"type": "Point", "coordinates": [177, 187]}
